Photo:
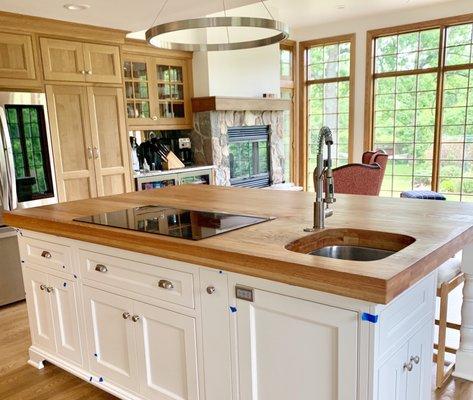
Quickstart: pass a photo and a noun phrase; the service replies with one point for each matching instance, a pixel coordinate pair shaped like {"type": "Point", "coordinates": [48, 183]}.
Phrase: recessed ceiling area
{"type": "Point", "coordinates": [139, 15]}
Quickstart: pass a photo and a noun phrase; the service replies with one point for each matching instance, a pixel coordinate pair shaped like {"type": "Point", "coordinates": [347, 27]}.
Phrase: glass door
{"type": "Point", "coordinates": [29, 142]}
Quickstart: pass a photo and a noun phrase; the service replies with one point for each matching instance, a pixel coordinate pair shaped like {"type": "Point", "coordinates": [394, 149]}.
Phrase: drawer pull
{"type": "Point", "coordinates": [126, 315]}
{"type": "Point", "coordinates": [165, 284]}
{"type": "Point", "coordinates": [101, 268]}
{"type": "Point", "coordinates": [49, 289]}
{"type": "Point", "coordinates": [46, 254]}
{"type": "Point", "coordinates": [408, 366]}
{"type": "Point", "coordinates": [42, 287]}
{"type": "Point", "coordinates": [210, 289]}
{"type": "Point", "coordinates": [135, 318]}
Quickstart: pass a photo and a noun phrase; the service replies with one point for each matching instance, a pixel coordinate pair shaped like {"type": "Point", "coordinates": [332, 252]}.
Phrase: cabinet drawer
{"type": "Point", "coordinates": [151, 280]}
{"type": "Point", "coordinates": [399, 317]}
{"type": "Point", "coordinates": [47, 254]}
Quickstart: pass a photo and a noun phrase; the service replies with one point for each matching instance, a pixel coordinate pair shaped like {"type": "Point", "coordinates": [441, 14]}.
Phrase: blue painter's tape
{"type": "Point", "coordinates": [233, 309]}
{"type": "Point", "coordinates": [369, 317]}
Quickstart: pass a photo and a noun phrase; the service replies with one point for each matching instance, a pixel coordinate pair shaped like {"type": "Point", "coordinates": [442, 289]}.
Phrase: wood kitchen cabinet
{"type": "Point", "coordinates": [65, 60]}
{"type": "Point", "coordinates": [16, 56]}
{"type": "Point", "coordinates": [89, 141]}
{"type": "Point", "coordinates": [158, 91]}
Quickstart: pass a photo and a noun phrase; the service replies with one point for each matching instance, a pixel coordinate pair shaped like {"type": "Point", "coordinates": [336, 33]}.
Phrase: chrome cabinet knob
{"type": "Point", "coordinates": [154, 118]}
{"type": "Point", "coordinates": [46, 254]}
{"type": "Point", "coordinates": [82, 72]}
{"type": "Point", "coordinates": [101, 268]}
{"type": "Point", "coordinates": [408, 366]}
{"type": "Point", "coordinates": [210, 289]}
{"type": "Point", "coordinates": [416, 359]}
{"type": "Point", "coordinates": [165, 284]}
{"type": "Point", "coordinates": [89, 72]}
{"type": "Point", "coordinates": [126, 315]}
{"type": "Point", "coordinates": [49, 289]}
{"type": "Point", "coordinates": [42, 287]}
{"type": "Point", "coordinates": [135, 318]}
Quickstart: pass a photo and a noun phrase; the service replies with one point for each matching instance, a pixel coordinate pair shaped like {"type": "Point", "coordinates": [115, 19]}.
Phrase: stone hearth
{"type": "Point", "coordinates": [210, 139]}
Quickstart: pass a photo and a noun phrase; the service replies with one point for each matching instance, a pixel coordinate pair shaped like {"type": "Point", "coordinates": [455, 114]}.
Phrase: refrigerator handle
{"type": "Point", "coordinates": [10, 197]}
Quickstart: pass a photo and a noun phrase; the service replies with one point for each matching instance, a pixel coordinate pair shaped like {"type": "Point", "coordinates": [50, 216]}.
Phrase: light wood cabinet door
{"type": "Point", "coordinates": [63, 60]}
{"type": "Point", "coordinates": [102, 63]}
{"type": "Point", "coordinates": [40, 316]}
{"type": "Point", "coordinates": [16, 56]}
{"type": "Point", "coordinates": [167, 354]}
{"type": "Point", "coordinates": [295, 349]}
{"type": "Point", "coordinates": [110, 140]}
{"type": "Point", "coordinates": [72, 142]}
{"type": "Point", "coordinates": [66, 319]}
{"type": "Point", "coordinates": [110, 335]}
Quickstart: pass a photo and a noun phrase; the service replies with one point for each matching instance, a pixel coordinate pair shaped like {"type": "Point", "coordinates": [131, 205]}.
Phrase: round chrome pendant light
{"type": "Point", "coordinates": [154, 35]}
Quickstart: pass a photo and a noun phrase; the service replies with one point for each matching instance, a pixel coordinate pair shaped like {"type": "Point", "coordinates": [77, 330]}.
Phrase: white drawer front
{"type": "Point", "coordinates": [405, 312]}
{"type": "Point", "coordinates": [47, 254]}
{"type": "Point", "coordinates": [151, 280]}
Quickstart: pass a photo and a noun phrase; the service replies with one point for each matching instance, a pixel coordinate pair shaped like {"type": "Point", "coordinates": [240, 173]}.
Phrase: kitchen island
{"type": "Point", "coordinates": [246, 314]}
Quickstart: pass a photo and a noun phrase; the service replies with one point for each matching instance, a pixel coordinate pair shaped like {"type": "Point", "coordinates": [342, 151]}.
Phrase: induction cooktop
{"type": "Point", "coordinates": [176, 222]}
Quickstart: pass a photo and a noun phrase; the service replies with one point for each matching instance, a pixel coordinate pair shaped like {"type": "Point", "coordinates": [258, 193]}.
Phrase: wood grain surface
{"type": "Point", "coordinates": [440, 230]}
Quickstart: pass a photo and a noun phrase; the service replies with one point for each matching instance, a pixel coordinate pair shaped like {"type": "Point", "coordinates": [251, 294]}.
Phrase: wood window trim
{"type": "Point", "coordinates": [302, 111]}
{"type": "Point", "coordinates": [370, 77]}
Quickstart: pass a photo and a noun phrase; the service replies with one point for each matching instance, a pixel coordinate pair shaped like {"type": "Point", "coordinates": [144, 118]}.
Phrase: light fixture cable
{"type": "Point", "coordinates": [225, 14]}
{"type": "Point", "coordinates": [159, 13]}
{"type": "Point", "coordinates": [267, 9]}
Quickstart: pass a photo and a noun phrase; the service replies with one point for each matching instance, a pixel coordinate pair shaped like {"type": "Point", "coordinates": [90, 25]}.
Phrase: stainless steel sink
{"type": "Point", "coordinates": [352, 253]}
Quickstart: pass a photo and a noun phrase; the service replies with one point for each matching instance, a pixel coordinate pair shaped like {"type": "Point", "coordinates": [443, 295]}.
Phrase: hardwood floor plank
{"type": "Point", "coordinates": [20, 381]}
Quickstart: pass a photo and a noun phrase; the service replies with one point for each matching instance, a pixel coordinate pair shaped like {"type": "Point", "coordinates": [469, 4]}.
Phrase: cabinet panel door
{"type": "Point", "coordinates": [110, 140]}
{"type": "Point", "coordinates": [167, 354]}
{"type": "Point", "coordinates": [111, 342]}
{"type": "Point", "coordinates": [63, 60]}
{"type": "Point", "coordinates": [295, 349]}
{"type": "Point", "coordinates": [72, 142]}
{"type": "Point", "coordinates": [66, 319]}
{"type": "Point", "coordinates": [392, 376]}
{"type": "Point", "coordinates": [16, 56]}
{"type": "Point", "coordinates": [419, 379]}
{"type": "Point", "coordinates": [40, 315]}
{"type": "Point", "coordinates": [102, 63]}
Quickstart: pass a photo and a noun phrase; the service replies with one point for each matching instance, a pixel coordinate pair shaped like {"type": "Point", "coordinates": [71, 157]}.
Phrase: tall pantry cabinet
{"type": "Point", "coordinates": [87, 117]}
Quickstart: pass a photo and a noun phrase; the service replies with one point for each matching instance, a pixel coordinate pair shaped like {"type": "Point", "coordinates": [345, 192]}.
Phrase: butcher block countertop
{"type": "Point", "coordinates": [440, 230]}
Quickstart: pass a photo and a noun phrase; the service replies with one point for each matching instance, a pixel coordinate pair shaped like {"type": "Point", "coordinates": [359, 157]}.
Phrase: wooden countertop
{"type": "Point", "coordinates": [440, 229]}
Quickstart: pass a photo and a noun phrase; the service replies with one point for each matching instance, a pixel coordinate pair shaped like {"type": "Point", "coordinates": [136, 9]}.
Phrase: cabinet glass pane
{"type": "Point", "coordinates": [163, 73]}
{"type": "Point", "coordinates": [129, 90]}
{"type": "Point", "coordinates": [175, 74]}
{"type": "Point", "coordinates": [141, 90]}
{"type": "Point", "coordinates": [164, 91]}
{"type": "Point", "coordinates": [139, 71]}
{"type": "Point", "coordinates": [165, 110]}
{"type": "Point", "coordinates": [127, 69]}
{"type": "Point", "coordinates": [177, 92]}
{"type": "Point", "coordinates": [178, 110]}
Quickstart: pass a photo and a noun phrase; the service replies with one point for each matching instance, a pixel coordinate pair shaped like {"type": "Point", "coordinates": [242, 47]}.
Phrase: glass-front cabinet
{"type": "Point", "coordinates": [158, 91]}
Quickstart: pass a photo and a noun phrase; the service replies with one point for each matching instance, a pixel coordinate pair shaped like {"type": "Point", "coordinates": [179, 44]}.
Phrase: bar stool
{"type": "Point", "coordinates": [450, 276]}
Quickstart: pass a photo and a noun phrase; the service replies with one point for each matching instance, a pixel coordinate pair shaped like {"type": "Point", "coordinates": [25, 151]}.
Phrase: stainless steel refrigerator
{"type": "Point", "coordinates": [26, 176]}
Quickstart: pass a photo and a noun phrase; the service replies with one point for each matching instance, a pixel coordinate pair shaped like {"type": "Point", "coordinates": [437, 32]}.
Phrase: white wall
{"type": "Point", "coordinates": [360, 26]}
{"type": "Point", "coordinates": [241, 73]}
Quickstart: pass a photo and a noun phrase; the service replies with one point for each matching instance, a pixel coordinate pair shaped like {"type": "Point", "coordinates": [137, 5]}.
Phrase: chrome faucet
{"type": "Point", "coordinates": [323, 176]}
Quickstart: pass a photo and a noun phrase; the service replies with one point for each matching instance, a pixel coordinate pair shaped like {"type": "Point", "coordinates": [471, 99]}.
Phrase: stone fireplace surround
{"type": "Point", "coordinates": [210, 134]}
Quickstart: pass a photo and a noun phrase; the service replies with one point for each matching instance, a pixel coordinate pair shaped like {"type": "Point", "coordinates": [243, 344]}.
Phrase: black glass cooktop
{"type": "Point", "coordinates": [169, 221]}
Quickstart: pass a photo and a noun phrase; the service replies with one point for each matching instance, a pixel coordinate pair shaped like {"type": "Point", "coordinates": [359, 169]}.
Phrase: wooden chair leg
{"type": "Point", "coordinates": [440, 376]}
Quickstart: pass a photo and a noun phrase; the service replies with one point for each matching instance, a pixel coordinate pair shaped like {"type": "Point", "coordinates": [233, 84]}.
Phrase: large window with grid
{"type": "Point", "coordinates": [422, 109]}
{"type": "Point", "coordinates": [328, 72]}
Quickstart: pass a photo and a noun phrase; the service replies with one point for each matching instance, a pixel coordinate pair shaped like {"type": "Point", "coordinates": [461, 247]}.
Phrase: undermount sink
{"type": "Point", "coordinates": [351, 244]}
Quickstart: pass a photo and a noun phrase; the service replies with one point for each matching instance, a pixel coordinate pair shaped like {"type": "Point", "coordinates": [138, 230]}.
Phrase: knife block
{"type": "Point", "coordinates": [172, 162]}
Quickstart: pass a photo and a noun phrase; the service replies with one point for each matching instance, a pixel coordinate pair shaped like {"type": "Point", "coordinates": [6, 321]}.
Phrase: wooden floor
{"type": "Point", "coordinates": [20, 381]}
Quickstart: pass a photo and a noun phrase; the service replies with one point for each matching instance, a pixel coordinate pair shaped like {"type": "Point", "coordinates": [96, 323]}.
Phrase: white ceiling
{"type": "Point", "coordinates": [135, 15]}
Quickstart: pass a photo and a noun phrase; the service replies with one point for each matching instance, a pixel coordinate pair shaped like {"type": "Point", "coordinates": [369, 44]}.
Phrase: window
{"type": "Point", "coordinates": [421, 109]}
{"type": "Point", "coordinates": [328, 71]}
{"type": "Point", "coordinates": [287, 52]}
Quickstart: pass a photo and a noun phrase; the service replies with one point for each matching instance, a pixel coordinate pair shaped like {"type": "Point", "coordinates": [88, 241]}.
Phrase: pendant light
{"type": "Point", "coordinates": [154, 35]}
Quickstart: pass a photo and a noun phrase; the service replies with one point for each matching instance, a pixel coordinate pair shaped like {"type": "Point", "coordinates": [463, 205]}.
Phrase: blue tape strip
{"type": "Point", "coordinates": [369, 317]}
{"type": "Point", "coordinates": [233, 309]}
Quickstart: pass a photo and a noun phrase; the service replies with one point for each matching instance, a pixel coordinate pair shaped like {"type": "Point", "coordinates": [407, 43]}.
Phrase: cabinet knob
{"type": "Point", "coordinates": [42, 287]}
{"type": "Point", "coordinates": [46, 254]}
{"type": "Point", "coordinates": [96, 152]}
{"type": "Point", "coordinates": [408, 366]}
{"type": "Point", "coordinates": [126, 315]}
{"type": "Point", "coordinates": [82, 72]}
{"type": "Point", "coordinates": [49, 289]}
{"type": "Point", "coordinates": [165, 284]}
{"type": "Point", "coordinates": [90, 154]}
{"type": "Point", "coordinates": [89, 72]}
{"type": "Point", "coordinates": [416, 359]}
{"type": "Point", "coordinates": [101, 268]}
{"type": "Point", "coordinates": [154, 118]}
{"type": "Point", "coordinates": [210, 289]}
{"type": "Point", "coordinates": [135, 318]}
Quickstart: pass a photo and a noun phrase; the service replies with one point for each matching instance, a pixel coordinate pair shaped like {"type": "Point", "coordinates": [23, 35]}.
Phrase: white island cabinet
{"type": "Point", "coordinates": [144, 327]}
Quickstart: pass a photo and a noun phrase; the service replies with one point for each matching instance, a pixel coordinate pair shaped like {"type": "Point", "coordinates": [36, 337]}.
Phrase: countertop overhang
{"type": "Point", "coordinates": [440, 228]}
